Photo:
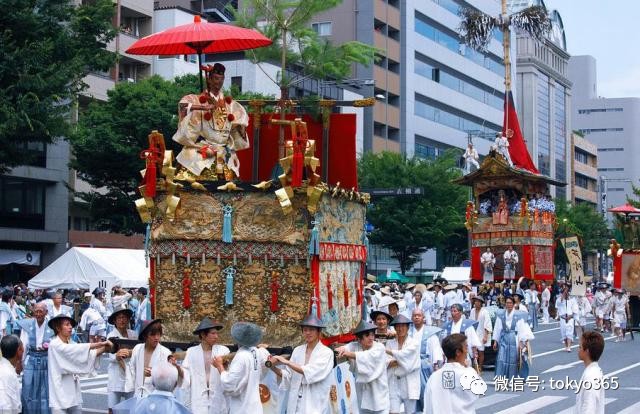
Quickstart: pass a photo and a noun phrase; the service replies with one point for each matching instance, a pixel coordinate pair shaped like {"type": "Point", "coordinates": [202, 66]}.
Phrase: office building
{"type": "Point", "coordinates": [613, 125]}
{"type": "Point", "coordinates": [584, 165]}
{"type": "Point", "coordinates": [543, 98]}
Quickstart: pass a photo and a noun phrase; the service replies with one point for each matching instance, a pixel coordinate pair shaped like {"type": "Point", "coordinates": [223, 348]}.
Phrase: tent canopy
{"type": "Point", "coordinates": [84, 267]}
{"type": "Point", "coordinates": [456, 274]}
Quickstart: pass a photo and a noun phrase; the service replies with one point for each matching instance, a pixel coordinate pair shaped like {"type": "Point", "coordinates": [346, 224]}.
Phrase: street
{"type": "Point", "coordinates": [551, 362]}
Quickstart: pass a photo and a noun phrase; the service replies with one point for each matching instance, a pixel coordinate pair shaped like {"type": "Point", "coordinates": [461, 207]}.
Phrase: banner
{"type": "Point", "coordinates": [22, 257]}
{"type": "Point", "coordinates": [575, 276]}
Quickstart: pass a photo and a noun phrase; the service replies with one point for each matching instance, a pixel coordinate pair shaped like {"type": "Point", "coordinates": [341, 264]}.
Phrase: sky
{"type": "Point", "coordinates": [608, 30]}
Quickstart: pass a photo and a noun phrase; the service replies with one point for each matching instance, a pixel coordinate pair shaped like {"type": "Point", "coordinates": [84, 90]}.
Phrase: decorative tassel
{"type": "Point", "coordinates": [186, 289]}
{"type": "Point", "coordinates": [274, 292]}
{"type": "Point", "coordinates": [147, 237]}
{"type": "Point", "coordinates": [227, 235]}
{"type": "Point", "coordinates": [157, 260]}
{"type": "Point", "coordinates": [329, 293]}
{"type": "Point", "coordinates": [229, 273]}
{"type": "Point", "coordinates": [346, 290]}
{"type": "Point", "coordinates": [266, 263]}
{"type": "Point", "coordinates": [314, 241]}
{"type": "Point", "coordinates": [297, 165]}
{"type": "Point", "coordinates": [235, 260]}
{"type": "Point", "coordinates": [173, 259]}
{"type": "Point", "coordinates": [218, 259]}
{"type": "Point", "coordinates": [250, 260]}
{"type": "Point", "coordinates": [281, 261]}
{"type": "Point", "coordinates": [365, 239]}
{"type": "Point", "coordinates": [359, 291]}
{"type": "Point", "coordinates": [204, 258]}
{"type": "Point", "coordinates": [188, 259]}
{"type": "Point", "coordinates": [314, 306]}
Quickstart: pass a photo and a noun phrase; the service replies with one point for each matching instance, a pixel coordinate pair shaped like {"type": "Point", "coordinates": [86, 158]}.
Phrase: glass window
{"type": "Point", "coordinates": [560, 132]}
{"type": "Point", "coordinates": [581, 157]}
{"type": "Point", "coordinates": [323, 29]}
{"type": "Point", "coordinates": [544, 136]}
{"type": "Point", "coordinates": [22, 203]}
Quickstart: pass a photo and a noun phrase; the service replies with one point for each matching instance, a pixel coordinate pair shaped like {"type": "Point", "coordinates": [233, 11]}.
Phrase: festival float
{"type": "Point", "coordinates": [509, 207]}
{"type": "Point", "coordinates": [230, 239]}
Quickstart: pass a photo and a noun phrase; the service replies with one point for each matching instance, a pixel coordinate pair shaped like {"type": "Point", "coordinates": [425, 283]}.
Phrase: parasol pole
{"type": "Point", "coordinates": [200, 69]}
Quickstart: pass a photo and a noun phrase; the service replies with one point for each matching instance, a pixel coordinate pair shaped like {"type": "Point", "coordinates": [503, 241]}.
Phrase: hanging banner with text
{"type": "Point", "coordinates": [575, 275]}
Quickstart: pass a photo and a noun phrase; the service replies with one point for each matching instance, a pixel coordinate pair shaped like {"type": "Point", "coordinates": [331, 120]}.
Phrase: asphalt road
{"type": "Point", "coordinates": [620, 362]}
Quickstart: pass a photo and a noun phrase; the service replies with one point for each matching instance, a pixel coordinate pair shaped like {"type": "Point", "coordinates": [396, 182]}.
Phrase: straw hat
{"type": "Point", "coordinates": [364, 327]}
{"type": "Point", "coordinates": [114, 315]}
{"type": "Point", "coordinates": [206, 324]}
{"type": "Point", "coordinates": [312, 321]}
{"type": "Point", "coordinates": [246, 333]}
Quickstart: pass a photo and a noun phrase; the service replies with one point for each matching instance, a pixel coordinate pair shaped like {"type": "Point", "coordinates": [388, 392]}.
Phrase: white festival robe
{"type": "Point", "coordinates": [484, 325]}
{"type": "Point", "coordinates": [590, 400]}
{"type": "Point", "coordinates": [522, 328]}
{"type": "Point", "coordinates": [142, 385]}
{"type": "Point", "coordinates": [404, 380]}
{"type": "Point", "coordinates": [200, 397]}
{"type": "Point", "coordinates": [241, 382]}
{"type": "Point", "coordinates": [447, 396]}
{"type": "Point", "coordinates": [309, 393]}
{"type": "Point", "coordinates": [10, 388]}
{"type": "Point", "coordinates": [370, 370]}
{"type": "Point", "coordinates": [119, 380]}
{"type": "Point", "coordinates": [66, 362]}
{"type": "Point", "coordinates": [470, 333]}
{"type": "Point", "coordinates": [565, 308]}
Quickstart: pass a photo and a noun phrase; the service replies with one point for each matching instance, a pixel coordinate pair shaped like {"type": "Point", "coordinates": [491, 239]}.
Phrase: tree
{"type": "Point", "coordinates": [409, 226]}
{"type": "Point", "coordinates": [47, 48]}
{"type": "Point", "coordinates": [109, 137]}
{"type": "Point", "coordinates": [583, 221]}
{"type": "Point", "coordinates": [296, 46]}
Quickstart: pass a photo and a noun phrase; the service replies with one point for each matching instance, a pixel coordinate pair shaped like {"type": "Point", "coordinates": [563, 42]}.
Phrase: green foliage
{"type": "Point", "coordinates": [287, 23]}
{"type": "Point", "coordinates": [583, 221]}
{"type": "Point", "coordinates": [47, 47]}
{"type": "Point", "coordinates": [109, 137]}
{"type": "Point", "coordinates": [409, 226]}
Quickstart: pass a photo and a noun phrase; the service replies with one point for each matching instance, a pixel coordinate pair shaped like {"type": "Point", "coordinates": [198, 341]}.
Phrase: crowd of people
{"type": "Point", "coordinates": [410, 340]}
{"type": "Point", "coordinates": [490, 203]}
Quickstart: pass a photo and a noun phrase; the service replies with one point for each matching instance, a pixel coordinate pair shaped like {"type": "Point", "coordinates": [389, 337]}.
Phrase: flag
{"type": "Point", "coordinates": [511, 129]}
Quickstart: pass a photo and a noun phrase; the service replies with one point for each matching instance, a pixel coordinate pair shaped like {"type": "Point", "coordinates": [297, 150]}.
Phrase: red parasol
{"type": "Point", "coordinates": [625, 209]}
{"type": "Point", "coordinates": [199, 37]}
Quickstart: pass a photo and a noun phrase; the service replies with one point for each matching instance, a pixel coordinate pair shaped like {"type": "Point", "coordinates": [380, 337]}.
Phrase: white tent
{"type": "Point", "coordinates": [87, 267]}
{"type": "Point", "coordinates": [456, 274]}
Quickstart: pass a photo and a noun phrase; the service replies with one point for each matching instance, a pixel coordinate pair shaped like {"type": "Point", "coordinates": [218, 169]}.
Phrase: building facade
{"type": "Point", "coordinates": [543, 99]}
{"type": "Point", "coordinates": [584, 165]}
{"type": "Point", "coordinates": [613, 125]}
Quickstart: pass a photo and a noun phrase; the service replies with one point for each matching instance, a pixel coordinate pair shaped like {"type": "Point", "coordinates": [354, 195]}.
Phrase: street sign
{"type": "Point", "coordinates": [394, 192]}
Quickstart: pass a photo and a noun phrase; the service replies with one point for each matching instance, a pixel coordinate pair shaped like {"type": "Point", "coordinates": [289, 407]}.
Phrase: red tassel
{"type": "Point", "coordinates": [186, 290]}
{"type": "Point", "coordinates": [329, 293]}
{"type": "Point", "coordinates": [296, 169]}
{"type": "Point", "coordinates": [150, 179]}
{"type": "Point", "coordinates": [274, 292]}
{"type": "Point", "coordinates": [346, 290]}
{"type": "Point", "coordinates": [359, 292]}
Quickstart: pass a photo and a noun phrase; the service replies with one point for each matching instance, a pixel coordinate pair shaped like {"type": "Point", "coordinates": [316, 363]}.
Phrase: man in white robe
{"type": "Point", "coordinates": [307, 374]}
{"type": "Point", "coordinates": [590, 399]}
{"type": "Point", "coordinates": [600, 304]}
{"type": "Point", "coordinates": [487, 260]}
{"type": "Point", "coordinates": [545, 299]}
{"type": "Point", "coordinates": [567, 312]}
{"type": "Point", "coordinates": [368, 362]}
{"type": "Point", "coordinates": [12, 350]}
{"type": "Point", "coordinates": [484, 328]}
{"type": "Point", "coordinates": [470, 158]}
{"type": "Point", "coordinates": [467, 327]}
{"type": "Point", "coordinates": [404, 368]}
{"type": "Point", "coordinates": [146, 355]}
{"type": "Point", "coordinates": [57, 308]}
{"type": "Point", "coordinates": [431, 355]}
{"type": "Point", "coordinates": [203, 389]}
{"type": "Point", "coordinates": [444, 393]}
{"type": "Point", "coordinates": [120, 385]}
{"type": "Point", "coordinates": [67, 360]}
{"type": "Point", "coordinates": [143, 312]}
{"type": "Point", "coordinates": [240, 383]}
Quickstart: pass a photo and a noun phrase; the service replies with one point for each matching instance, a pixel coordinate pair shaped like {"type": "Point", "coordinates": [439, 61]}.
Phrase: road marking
{"type": "Point", "coordinates": [563, 349]}
{"type": "Point", "coordinates": [561, 367]}
{"type": "Point", "coordinates": [493, 399]}
{"type": "Point", "coordinates": [91, 410]}
{"type": "Point", "coordinates": [533, 405]}
{"type": "Point", "coordinates": [570, 410]}
{"type": "Point", "coordinates": [632, 409]}
{"type": "Point", "coordinates": [611, 374]}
